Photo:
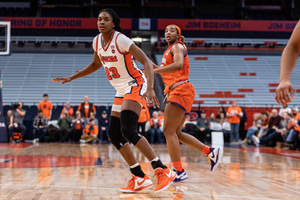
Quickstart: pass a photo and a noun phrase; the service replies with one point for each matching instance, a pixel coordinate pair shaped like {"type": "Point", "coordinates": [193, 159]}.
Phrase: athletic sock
{"type": "Point", "coordinates": [206, 150]}
{"type": "Point", "coordinates": [178, 166]}
{"type": "Point", "coordinates": [137, 170]}
{"type": "Point", "coordinates": [156, 163]}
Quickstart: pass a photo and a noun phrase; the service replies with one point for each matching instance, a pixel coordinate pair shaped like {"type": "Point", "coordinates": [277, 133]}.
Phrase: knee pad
{"type": "Point", "coordinates": [114, 133]}
{"type": "Point", "coordinates": [129, 121]}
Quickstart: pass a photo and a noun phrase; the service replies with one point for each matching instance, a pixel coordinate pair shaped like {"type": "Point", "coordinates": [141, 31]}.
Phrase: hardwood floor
{"type": "Point", "coordinates": [74, 172]}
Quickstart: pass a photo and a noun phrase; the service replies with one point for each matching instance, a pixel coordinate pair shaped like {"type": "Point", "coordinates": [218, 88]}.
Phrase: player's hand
{"type": "Point", "coordinates": [150, 96]}
{"type": "Point", "coordinates": [62, 79]}
{"type": "Point", "coordinates": [282, 92]}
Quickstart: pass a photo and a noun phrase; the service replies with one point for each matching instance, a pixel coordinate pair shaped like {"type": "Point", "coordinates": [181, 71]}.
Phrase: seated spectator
{"type": "Point", "coordinates": [103, 128]}
{"type": "Point", "coordinates": [286, 109]}
{"type": "Point", "coordinates": [90, 133]}
{"type": "Point", "coordinates": [40, 124]}
{"type": "Point", "coordinates": [264, 124]}
{"type": "Point", "coordinates": [294, 126]}
{"type": "Point", "coordinates": [92, 116]}
{"type": "Point", "coordinates": [203, 129]}
{"type": "Point", "coordinates": [144, 117]}
{"type": "Point", "coordinates": [253, 129]}
{"type": "Point", "coordinates": [277, 135]}
{"type": "Point", "coordinates": [274, 128]}
{"type": "Point", "coordinates": [16, 120]}
{"type": "Point", "coordinates": [212, 117]}
{"type": "Point", "coordinates": [155, 125]}
{"type": "Point", "coordinates": [67, 108]}
{"type": "Point", "coordinates": [86, 108]}
{"type": "Point", "coordinates": [64, 123]}
{"type": "Point", "coordinates": [78, 124]}
{"type": "Point", "coordinates": [46, 106]}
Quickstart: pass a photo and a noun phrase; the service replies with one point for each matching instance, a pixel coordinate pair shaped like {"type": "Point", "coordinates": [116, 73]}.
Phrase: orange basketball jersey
{"type": "Point", "coordinates": [174, 77]}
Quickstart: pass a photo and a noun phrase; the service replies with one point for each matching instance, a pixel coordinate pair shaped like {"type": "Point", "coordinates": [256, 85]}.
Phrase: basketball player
{"type": "Point", "coordinates": [289, 58]}
{"type": "Point", "coordinates": [180, 97]}
{"type": "Point", "coordinates": [114, 52]}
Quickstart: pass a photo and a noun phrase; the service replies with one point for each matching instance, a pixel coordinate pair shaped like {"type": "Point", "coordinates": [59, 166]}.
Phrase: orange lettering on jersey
{"type": "Point", "coordinates": [108, 59]}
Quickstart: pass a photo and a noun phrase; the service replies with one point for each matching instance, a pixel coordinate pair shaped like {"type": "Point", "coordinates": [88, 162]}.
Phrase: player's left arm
{"type": "Point", "coordinates": [178, 54]}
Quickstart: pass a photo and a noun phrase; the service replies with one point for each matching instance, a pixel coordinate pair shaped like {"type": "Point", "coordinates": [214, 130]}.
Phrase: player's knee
{"type": "Point", "coordinates": [114, 133]}
{"type": "Point", "coordinates": [131, 134]}
{"type": "Point", "coordinates": [128, 126]}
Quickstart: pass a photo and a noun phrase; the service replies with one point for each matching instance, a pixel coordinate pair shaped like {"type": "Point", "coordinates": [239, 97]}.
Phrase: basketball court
{"type": "Point", "coordinates": [72, 171]}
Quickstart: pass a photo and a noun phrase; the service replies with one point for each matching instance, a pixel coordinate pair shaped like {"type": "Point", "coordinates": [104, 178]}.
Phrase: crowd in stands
{"type": "Point", "coordinates": [280, 129]}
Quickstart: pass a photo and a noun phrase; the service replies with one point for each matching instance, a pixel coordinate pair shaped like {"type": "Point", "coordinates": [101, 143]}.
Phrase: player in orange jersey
{"type": "Point", "coordinates": [289, 58]}
{"type": "Point", "coordinates": [114, 51]}
{"type": "Point", "coordinates": [180, 97]}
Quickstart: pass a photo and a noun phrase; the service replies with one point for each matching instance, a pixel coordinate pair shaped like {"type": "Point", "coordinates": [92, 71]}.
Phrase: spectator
{"type": "Point", "coordinates": [273, 129]}
{"type": "Point", "coordinates": [155, 125]}
{"type": "Point", "coordinates": [161, 116]}
{"type": "Point", "coordinates": [253, 129]}
{"type": "Point", "coordinates": [222, 118]}
{"type": "Point", "coordinates": [285, 127]}
{"type": "Point", "coordinates": [78, 124]}
{"type": "Point", "coordinates": [144, 117]}
{"type": "Point", "coordinates": [90, 133]}
{"type": "Point", "coordinates": [92, 116]}
{"type": "Point", "coordinates": [275, 134]}
{"type": "Point", "coordinates": [40, 124]}
{"type": "Point", "coordinates": [264, 124]}
{"type": "Point", "coordinates": [221, 110]}
{"type": "Point", "coordinates": [46, 107]}
{"type": "Point", "coordinates": [234, 113]}
{"type": "Point", "coordinates": [104, 124]}
{"type": "Point", "coordinates": [67, 108]}
{"type": "Point", "coordinates": [64, 123]}
{"type": "Point", "coordinates": [212, 117]}
{"type": "Point", "coordinates": [16, 120]}
{"type": "Point", "coordinates": [7, 119]}
{"type": "Point", "coordinates": [202, 127]}
{"type": "Point", "coordinates": [243, 123]}
{"type": "Point", "coordinates": [285, 108]}
{"type": "Point", "coordinates": [294, 127]}
{"type": "Point", "coordinates": [86, 108]}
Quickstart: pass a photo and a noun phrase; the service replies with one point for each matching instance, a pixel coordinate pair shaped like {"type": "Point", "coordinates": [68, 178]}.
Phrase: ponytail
{"type": "Point", "coordinates": [181, 38]}
{"type": "Point", "coordinates": [116, 18]}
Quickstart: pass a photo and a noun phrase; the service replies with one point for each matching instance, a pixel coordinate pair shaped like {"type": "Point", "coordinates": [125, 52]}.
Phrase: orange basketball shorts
{"type": "Point", "coordinates": [133, 93]}
{"type": "Point", "coordinates": [183, 96]}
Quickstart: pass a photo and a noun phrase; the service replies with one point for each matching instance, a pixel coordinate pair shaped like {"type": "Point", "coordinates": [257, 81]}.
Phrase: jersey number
{"type": "Point", "coordinates": [112, 73]}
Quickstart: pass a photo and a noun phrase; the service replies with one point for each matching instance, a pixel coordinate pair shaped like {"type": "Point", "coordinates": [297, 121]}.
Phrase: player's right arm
{"type": "Point", "coordinates": [92, 67]}
{"type": "Point", "coordinates": [289, 58]}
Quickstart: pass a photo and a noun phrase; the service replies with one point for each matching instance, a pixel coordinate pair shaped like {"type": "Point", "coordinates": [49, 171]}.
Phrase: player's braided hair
{"type": "Point", "coordinates": [116, 18]}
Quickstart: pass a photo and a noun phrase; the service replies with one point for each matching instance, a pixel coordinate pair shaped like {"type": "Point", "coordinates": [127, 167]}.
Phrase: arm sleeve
{"type": "Point", "coordinates": [94, 109]}
{"type": "Point", "coordinates": [79, 107]}
{"type": "Point", "coordinates": [50, 105]}
{"type": "Point", "coordinates": [39, 106]}
{"type": "Point", "coordinates": [123, 43]}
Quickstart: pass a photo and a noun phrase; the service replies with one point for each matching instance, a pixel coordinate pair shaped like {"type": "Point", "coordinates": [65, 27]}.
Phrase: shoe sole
{"type": "Point", "coordinates": [132, 191]}
{"type": "Point", "coordinates": [166, 185]}
{"type": "Point", "coordinates": [217, 163]}
{"type": "Point", "coordinates": [255, 141]}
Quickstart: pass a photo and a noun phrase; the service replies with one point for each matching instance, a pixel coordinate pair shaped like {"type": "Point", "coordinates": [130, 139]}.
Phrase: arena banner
{"type": "Point", "coordinates": [59, 23]}
{"type": "Point", "coordinates": [228, 25]}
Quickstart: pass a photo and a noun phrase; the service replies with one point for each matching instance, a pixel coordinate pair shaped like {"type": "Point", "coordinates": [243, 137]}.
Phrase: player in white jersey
{"type": "Point", "coordinates": [114, 52]}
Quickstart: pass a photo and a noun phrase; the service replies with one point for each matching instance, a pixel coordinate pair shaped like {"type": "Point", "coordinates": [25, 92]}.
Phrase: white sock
{"type": "Point", "coordinates": [155, 159]}
{"type": "Point", "coordinates": [135, 165]}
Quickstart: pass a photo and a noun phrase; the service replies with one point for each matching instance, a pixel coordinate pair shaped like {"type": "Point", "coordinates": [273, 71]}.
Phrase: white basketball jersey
{"type": "Point", "coordinates": [118, 64]}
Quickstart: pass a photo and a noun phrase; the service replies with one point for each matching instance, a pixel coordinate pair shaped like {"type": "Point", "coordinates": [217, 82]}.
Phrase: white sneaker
{"type": "Point", "coordinates": [137, 183]}
{"type": "Point", "coordinates": [256, 140]}
{"type": "Point", "coordinates": [82, 141]}
{"type": "Point", "coordinates": [213, 157]}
